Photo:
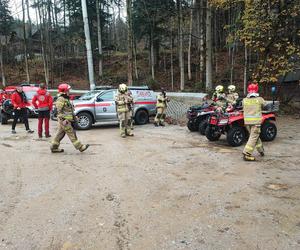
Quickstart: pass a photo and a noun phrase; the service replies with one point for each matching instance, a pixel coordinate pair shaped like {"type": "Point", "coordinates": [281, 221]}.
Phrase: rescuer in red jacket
{"type": "Point", "coordinates": [19, 101]}
{"type": "Point", "coordinates": [43, 103]}
{"type": "Point", "coordinates": [2, 96]}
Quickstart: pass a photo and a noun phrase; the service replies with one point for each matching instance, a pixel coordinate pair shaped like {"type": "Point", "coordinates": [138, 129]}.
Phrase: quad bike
{"type": "Point", "coordinates": [6, 111]}
{"type": "Point", "coordinates": [199, 115]}
{"type": "Point", "coordinates": [232, 125]}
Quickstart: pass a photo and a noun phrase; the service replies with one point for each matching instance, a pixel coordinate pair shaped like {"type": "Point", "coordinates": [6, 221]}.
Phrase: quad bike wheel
{"type": "Point", "coordinates": [3, 118]}
{"type": "Point", "coordinates": [236, 136]}
{"type": "Point", "coordinates": [268, 131]}
{"type": "Point", "coordinates": [202, 126]}
{"type": "Point", "coordinates": [212, 133]}
{"type": "Point", "coordinates": [191, 126]}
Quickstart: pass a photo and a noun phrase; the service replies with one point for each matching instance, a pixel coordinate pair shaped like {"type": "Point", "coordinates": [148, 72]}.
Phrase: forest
{"type": "Point", "coordinates": [183, 45]}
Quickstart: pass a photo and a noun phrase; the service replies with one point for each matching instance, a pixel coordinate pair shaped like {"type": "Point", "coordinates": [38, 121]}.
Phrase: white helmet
{"type": "Point", "coordinates": [219, 88]}
{"type": "Point", "coordinates": [122, 88]}
{"type": "Point", "coordinates": [231, 88]}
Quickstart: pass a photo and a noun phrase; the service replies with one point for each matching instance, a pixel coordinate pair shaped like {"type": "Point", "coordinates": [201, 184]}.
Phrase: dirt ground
{"type": "Point", "coordinates": [166, 188]}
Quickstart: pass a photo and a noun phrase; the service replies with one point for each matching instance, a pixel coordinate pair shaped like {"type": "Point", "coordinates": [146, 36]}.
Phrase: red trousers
{"type": "Point", "coordinates": [40, 126]}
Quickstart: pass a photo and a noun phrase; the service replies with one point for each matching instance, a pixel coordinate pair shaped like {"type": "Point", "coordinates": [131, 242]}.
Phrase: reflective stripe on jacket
{"type": "Point", "coordinates": [253, 110]}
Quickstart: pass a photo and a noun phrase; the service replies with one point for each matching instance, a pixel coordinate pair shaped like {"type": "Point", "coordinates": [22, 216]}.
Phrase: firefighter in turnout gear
{"type": "Point", "coordinates": [232, 95]}
{"type": "Point", "coordinates": [219, 98]}
{"type": "Point", "coordinates": [66, 119]}
{"type": "Point", "coordinates": [161, 106]}
{"type": "Point", "coordinates": [124, 103]}
{"type": "Point", "coordinates": [252, 106]}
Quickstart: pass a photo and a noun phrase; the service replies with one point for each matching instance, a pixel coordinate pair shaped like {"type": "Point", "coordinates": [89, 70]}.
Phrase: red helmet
{"type": "Point", "coordinates": [252, 88]}
{"type": "Point", "coordinates": [64, 87]}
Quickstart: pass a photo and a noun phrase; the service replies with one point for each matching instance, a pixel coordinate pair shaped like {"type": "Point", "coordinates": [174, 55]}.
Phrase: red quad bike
{"type": "Point", "coordinates": [232, 125]}
{"type": "Point", "coordinates": [198, 115]}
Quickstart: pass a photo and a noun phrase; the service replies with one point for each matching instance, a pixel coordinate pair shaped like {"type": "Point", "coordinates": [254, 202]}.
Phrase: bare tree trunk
{"type": "Point", "coordinates": [88, 44]}
{"type": "Point", "coordinates": [129, 41]}
{"type": "Point", "coordinates": [172, 66]}
{"type": "Point", "coordinates": [165, 62]}
{"type": "Point", "coordinates": [2, 66]}
{"type": "Point", "coordinates": [190, 43]}
{"type": "Point", "coordinates": [55, 13]}
{"type": "Point", "coordinates": [216, 47]}
{"type": "Point", "coordinates": [245, 70]}
{"type": "Point", "coordinates": [180, 35]}
{"type": "Point", "coordinates": [135, 60]}
{"type": "Point", "coordinates": [232, 64]}
{"type": "Point", "coordinates": [98, 8]}
{"type": "Point", "coordinates": [201, 40]}
{"type": "Point", "coordinates": [25, 43]}
{"type": "Point", "coordinates": [39, 22]}
{"type": "Point", "coordinates": [152, 60]}
{"type": "Point", "coordinates": [30, 27]}
{"type": "Point", "coordinates": [152, 57]}
{"type": "Point", "coordinates": [29, 19]}
{"type": "Point", "coordinates": [208, 48]}
{"type": "Point", "coordinates": [50, 44]}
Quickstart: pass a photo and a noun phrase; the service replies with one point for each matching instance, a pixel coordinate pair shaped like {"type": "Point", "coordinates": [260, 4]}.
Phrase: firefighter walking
{"type": "Point", "coordinates": [66, 119]}
{"type": "Point", "coordinates": [161, 106]}
{"type": "Point", "coordinates": [124, 103]}
{"type": "Point", "coordinates": [252, 106]}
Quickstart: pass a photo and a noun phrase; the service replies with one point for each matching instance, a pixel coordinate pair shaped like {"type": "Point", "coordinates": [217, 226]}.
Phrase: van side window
{"type": "Point", "coordinates": [106, 97]}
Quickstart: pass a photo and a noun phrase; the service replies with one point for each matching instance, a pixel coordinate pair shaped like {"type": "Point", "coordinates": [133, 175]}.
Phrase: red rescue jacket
{"type": "Point", "coordinates": [17, 100]}
{"type": "Point", "coordinates": [43, 101]}
{"type": "Point", "coordinates": [3, 97]}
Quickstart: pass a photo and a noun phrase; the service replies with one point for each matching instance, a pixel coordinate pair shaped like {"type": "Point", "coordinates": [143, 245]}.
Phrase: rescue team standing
{"type": "Point", "coordinates": [252, 108]}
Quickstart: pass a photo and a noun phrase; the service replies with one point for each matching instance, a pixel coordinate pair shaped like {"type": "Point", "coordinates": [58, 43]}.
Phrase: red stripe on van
{"type": "Point", "coordinates": [93, 105]}
{"type": "Point", "coordinates": [141, 103]}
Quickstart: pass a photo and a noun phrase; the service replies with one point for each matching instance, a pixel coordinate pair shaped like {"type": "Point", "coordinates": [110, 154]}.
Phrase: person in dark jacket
{"type": "Point", "coordinates": [20, 103]}
{"type": "Point", "coordinates": [43, 103]}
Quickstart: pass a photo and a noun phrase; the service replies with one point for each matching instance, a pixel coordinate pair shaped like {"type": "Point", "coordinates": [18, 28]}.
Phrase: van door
{"type": "Point", "coordinates": [105, 106]}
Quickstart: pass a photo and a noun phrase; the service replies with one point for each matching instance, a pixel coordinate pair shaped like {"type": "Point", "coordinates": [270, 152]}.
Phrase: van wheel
{"type": "Point", "coordinates": [141, 117]}
{"type": "Point", "coordinates": [84, 121]}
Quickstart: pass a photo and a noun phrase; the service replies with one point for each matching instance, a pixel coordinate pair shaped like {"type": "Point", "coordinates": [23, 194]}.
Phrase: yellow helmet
{"type": "Point", "coordinates": [123, 88]}
{"type": "Point", "coordinates": [231, 88]}
{"type": "Point", "coordinates": [219, 88]}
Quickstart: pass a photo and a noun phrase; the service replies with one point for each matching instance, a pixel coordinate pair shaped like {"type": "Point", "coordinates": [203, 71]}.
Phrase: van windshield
{"type": "Point", "coordinates": [89, 95]}
{"type": "Point", "coordinates": [30, 94]}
